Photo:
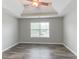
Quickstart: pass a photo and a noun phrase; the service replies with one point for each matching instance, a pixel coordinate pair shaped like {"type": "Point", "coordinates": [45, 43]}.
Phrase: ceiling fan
{"type": "Point", "coordinates": [37, 3]}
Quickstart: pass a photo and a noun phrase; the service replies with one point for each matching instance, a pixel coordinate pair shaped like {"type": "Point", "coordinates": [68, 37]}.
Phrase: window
{"type": "Point", "coordinates": [40, 29]}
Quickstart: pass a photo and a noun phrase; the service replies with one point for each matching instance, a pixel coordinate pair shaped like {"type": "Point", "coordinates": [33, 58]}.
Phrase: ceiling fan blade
{"type": "Point", "coordinates": [43, 3]}
{"type": "Point", "coordinates": [40, 3]}
{"type": "Point", "coordinates": [29, 0]}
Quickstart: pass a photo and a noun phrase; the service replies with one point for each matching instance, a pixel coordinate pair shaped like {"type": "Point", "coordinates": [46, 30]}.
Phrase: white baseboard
{"type": "Point", "coordinates": [70, 49]}
{"type": "Point", "coordinates": [10, 47]}
{"type": "Point", "coordinates": [29, 43]}
{"type": "Point", "coordinates": [40, 43]}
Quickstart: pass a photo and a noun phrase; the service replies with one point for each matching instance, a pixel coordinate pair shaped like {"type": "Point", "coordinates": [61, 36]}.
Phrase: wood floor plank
{"type": "Point", "coordinates": [38, 51]}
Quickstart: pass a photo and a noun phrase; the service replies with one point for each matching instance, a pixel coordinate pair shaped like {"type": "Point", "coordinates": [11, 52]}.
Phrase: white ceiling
{"type": "Point", "coordinates": [16, 7]}
{"type": "Point", "coordinates": [13, 6]}
{"type": "Point", "coordinates": [60, 5]}
{"type": "Point", "coordinates": [41, 10]}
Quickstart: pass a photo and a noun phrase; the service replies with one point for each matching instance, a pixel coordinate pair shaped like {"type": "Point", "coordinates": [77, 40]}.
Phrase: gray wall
{"type": "Point", "coordinates": [9, 31]}
{"type": "Point", "coordinates": [56, 29]}
{"type": "Point", "coordinates": [70, 30]}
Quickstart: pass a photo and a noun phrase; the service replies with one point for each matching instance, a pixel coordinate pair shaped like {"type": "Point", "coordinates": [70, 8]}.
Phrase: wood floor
{"type": "Point", "coordinates": [38, 51]}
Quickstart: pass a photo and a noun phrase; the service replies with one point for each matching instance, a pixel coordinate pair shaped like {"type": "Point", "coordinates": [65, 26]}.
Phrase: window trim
{"type": "Point", "coordinates": [40, 30]}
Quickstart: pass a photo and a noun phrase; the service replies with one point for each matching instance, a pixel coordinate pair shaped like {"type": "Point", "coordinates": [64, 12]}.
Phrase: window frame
{"type": "Point", "coordinates": [39, 35]}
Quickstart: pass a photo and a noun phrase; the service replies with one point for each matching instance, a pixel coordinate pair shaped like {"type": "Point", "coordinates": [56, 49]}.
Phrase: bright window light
{"type": "Point", "coordinates": [40, 29]}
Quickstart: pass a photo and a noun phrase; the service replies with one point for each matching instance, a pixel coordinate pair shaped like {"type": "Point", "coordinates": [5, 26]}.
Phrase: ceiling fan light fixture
{"type": "Point", "coordinates": [35, 4]}
{"type": "Point", "coordinates": [38, 3]}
